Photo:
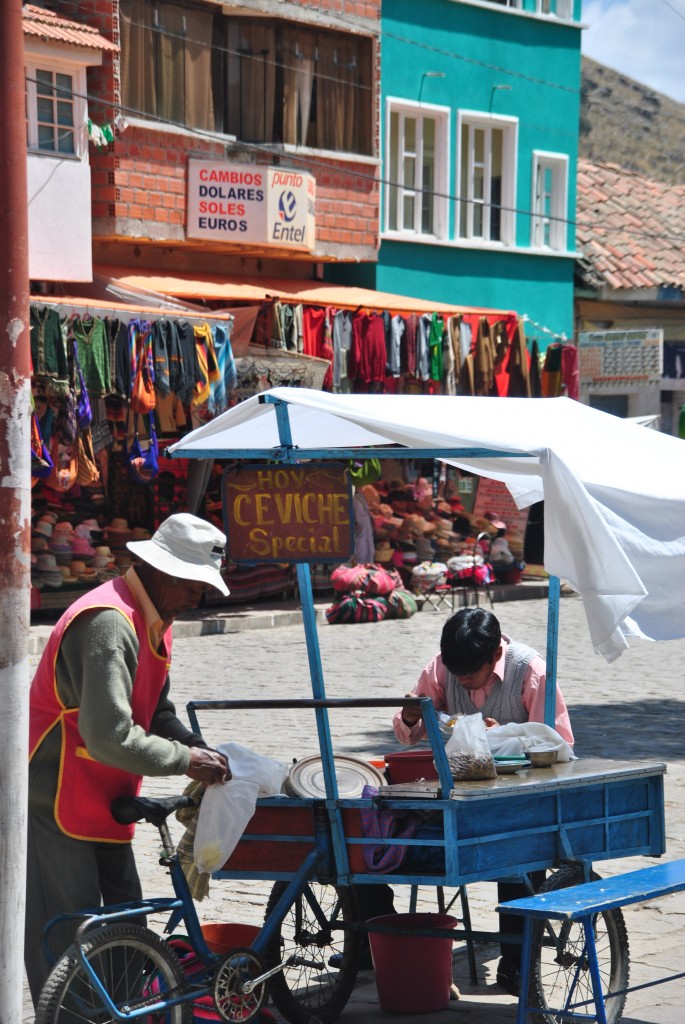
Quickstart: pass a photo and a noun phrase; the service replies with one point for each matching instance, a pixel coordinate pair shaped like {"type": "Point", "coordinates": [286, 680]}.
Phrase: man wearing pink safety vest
{"type": "Point", "coordinates": [101, 719]}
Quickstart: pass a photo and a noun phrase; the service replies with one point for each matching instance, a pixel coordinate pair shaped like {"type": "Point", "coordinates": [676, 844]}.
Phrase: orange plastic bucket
{"type": "Point", "coordinates": [413, 972]}
{"type": "Point", "coordinates": [222, 938]}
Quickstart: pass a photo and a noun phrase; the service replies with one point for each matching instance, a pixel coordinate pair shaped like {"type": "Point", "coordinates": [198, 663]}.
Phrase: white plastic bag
{"type": "Point", "coordinates": [267, 772]}
{"type": "Point", "coordinates": [518, 737]}
{"type": "Point", "coordinates": [224, 813]}
{"type": "Point", "coordinates": [468, 751]}
{"type": "Point", "coordinates": [226, 809]}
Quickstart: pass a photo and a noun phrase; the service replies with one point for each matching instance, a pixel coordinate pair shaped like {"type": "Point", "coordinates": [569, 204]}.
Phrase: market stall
{"type": "Point", "coordinates": [614, 511]}
{"type": "Point", "coordinates": [286, 493]}
{"type": "Point", "coordinates": [115, 382]}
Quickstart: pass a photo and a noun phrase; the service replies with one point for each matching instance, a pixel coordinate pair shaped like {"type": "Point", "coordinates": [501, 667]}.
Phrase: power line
{"type": "Point", "coordinates": [674, 9]}
{"type": "Point", "coordinates": [310, 161]}
{"type": "Point", "coordinates": [355, 24]}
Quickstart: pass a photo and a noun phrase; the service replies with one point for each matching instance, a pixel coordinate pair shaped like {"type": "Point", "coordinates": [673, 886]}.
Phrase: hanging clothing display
{"type": "Point", "coordinates": [48, 344]}
{"type": "Point", "coordinates": [312, 330]}
{"type": "Point", "coordinates": [435, 334]}
{"type": "Point", "coordinates": [184, 367]}
{"type": "Point", "coordinates": [342, 345]}
{"type": "Point", "coordinates": [518, 366]}
{"type": "Point", "coordinates": [397, 332]}
{"type": "Point", "coordinates": [367, 360]}
{"type": "Point", "coordinates": [484, 361]}
{"type": "Point", "coordinates": [90, 336]}
{"type": "Point", "coordinates": [551, 372]}
{"type": "Point", "coordinates": [570, 374]}
{"type": "Point", "coordinates": [228, 376]}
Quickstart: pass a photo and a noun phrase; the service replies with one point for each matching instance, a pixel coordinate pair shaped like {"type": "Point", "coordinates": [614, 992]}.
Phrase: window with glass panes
{"type": "Point", "coordinates": [487, 179]}
{"type": "Point", "coordinates": [53, 121]}
{"type": "Point", "coordinates": [550, 188]}
{"type": "Point", "coordinates": [417, 167]}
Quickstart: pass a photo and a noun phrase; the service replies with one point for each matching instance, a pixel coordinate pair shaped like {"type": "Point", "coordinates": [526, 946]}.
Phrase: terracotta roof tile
{"type": "Point", "coordinates": [629, 228]}
{"type": "Point", "coordinates": [42, 24]}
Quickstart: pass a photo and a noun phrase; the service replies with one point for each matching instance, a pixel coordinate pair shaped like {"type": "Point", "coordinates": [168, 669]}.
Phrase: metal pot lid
{"type": "Point", "coordinates": [306, 777]}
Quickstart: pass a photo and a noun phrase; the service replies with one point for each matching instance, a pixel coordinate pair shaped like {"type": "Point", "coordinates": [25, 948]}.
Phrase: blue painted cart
{"type": "Point", "coordinates": [565, 818]}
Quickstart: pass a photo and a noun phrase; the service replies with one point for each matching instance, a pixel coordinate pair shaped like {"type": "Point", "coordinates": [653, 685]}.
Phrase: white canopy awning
{"type": "Point", "coordinates": [614, 493]}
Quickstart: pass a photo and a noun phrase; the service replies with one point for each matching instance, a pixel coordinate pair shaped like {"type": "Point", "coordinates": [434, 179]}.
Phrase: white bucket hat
{"type": "Point", "coordinates": [187, 547]}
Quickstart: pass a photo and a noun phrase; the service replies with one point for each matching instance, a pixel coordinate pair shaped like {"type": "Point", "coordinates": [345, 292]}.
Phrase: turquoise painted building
{"type": "Point", "coordinates": [479, 142]}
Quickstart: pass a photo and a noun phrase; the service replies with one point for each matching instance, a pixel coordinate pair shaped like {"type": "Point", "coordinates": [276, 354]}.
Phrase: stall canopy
{"type": "Point", "coordinates": [614, 492]}
{"type": "Point", "coordinates": [218, 288]}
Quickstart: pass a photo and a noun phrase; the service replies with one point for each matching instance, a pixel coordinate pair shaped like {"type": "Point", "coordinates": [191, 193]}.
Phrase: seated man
{"type": "Point", "coordinates": [481, 669]}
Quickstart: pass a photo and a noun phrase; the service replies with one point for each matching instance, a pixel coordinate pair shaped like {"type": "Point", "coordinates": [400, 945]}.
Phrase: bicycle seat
{"type": "Point", "coordinates": [127, 809]}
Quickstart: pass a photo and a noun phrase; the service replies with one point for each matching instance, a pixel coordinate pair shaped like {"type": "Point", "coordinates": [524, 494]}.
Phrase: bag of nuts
{"type": "Point", "coordinates": [468, 751]}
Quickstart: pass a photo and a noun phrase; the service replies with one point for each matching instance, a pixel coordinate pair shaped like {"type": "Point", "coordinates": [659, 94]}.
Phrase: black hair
{"type": "Point", "coordinates": [469, 640]}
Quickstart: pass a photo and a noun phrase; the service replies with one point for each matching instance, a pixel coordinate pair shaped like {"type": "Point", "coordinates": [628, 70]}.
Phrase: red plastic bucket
{"type": "Point", "coordinates": [413, 972]}
{"type": "Point", "coordinates": [222, 938]}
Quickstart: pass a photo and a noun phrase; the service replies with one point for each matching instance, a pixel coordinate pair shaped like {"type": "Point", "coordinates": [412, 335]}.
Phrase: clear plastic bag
{"type": "Point", "coordinates": [226, 809]}
{"type": "Point", "coordinates": [267, 772]}
{"type": "Point", "coordinates": [518, 737]}
{"type": "Point", "coordinates": [224, 813]}
{"type": "Point", "coordinates": [468, 751]}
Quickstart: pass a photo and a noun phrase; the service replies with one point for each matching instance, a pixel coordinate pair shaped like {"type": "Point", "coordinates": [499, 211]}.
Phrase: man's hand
{"type": "Point", "coordinates": [208, 766]}
{"type": "Point", "coordinates": [411, 714]}
{"type": "Point", "coordinates": [490, 723]}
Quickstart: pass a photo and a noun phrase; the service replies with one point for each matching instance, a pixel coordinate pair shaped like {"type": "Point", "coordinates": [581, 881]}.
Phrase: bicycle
{"type": "Point", "coordinates": [120, 970]}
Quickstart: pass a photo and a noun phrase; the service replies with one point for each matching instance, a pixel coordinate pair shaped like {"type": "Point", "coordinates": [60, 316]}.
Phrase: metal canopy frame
{"type": "Point", "coordinates": [288, 453]}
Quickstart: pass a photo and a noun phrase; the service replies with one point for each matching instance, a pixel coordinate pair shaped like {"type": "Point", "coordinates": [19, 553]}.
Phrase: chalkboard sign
{"type": "Point", "coordinates": [288, 513]}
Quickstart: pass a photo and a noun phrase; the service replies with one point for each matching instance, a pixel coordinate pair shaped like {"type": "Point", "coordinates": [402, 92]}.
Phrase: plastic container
{"type": "Point", "coordinates": [409, 766]}
{"type": "Point", "coordinates": [222, 938]}
{"type": "Point", "coordinates": [413, 972]}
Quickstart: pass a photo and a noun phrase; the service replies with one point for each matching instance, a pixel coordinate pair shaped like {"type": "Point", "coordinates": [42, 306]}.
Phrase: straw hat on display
{"type": "Point", "coordinates": [384, 551]}
{"type": "Point", "coordinates": [43, 527]}
{"type": "Point", "coordinates": [186, 547]}
{"type": "Point", "coordinates": [48, 571]}
{"type": "Point", "coordinates": [82, 548]}
{"type": "Point", "coordinates": [67, 576]}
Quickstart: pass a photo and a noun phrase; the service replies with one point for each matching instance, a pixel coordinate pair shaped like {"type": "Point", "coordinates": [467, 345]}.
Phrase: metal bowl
{"type": "Point", "coordinates": [541, 758]}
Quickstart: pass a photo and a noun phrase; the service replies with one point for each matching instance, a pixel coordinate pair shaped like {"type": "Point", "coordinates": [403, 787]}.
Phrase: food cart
{"type": "Point", "coordinates": [600, 479]}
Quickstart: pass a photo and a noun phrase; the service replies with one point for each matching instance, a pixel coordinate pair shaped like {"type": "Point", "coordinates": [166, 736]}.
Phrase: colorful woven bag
{"type": "Point", "coordinates": [401, 604]}
{"type": "Point", "coordinates": [357, 608]}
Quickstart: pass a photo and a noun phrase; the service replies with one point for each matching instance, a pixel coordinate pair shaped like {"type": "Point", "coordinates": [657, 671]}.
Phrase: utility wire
{"type": "Point", "coordinates": [353, 24]}
{"type": "Point", "coordinates": [161, 31]}
{"type": "Point", "coordinates": [310, 161]}
{"type": "Point", "coordinates": [674, 9]}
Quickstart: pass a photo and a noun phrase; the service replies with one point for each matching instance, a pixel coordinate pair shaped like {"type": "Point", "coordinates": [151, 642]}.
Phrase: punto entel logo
{"type": "Point", "coordinates": [287, 206]}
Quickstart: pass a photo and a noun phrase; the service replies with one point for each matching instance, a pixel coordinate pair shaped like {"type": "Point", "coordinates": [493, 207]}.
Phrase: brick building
{"type": "Point", "coordinates": [281, 94]}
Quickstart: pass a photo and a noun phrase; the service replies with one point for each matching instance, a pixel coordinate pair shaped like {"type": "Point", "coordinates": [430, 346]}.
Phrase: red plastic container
{"type": "Point", "coordinates": [410, 765]}
{"type": "Point", "coordinates": [413, 972]}
{"type": "Point", "coordinates": [222, 938]}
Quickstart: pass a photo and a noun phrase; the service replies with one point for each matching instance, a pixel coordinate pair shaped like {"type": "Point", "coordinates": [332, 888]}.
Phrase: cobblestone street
{"type": "Point", "coordinates": [632, 709]}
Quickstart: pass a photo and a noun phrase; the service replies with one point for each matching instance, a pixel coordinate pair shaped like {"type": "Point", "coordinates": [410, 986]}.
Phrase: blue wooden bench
{"type": "Point", "coordinates": [582, 903]}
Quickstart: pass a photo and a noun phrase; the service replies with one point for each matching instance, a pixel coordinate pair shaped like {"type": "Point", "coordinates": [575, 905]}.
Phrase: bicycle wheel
{"type": "Point", "coordinates": [560, 976]}
{"type": "Point", "coordinates": [133, 964]}
{"type": "Point", "coordinates": [310, 988]}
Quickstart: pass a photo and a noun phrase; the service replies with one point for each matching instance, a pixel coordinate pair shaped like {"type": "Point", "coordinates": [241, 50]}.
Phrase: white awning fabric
{"type": "Point", "coordinates": [614, 493]}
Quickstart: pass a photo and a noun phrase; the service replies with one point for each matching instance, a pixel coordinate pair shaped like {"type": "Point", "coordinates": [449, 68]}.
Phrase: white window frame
{"type": "Point", "coordinates": [509, 127]}
{"type": "Point", "coordinates": [78, 78]}
{"type": "Point", "coordinates": [557, 219]}
{"type": "Point", "coordinates": [441, 115]}
{"type": "Point", "coordinates": [562, 9]}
